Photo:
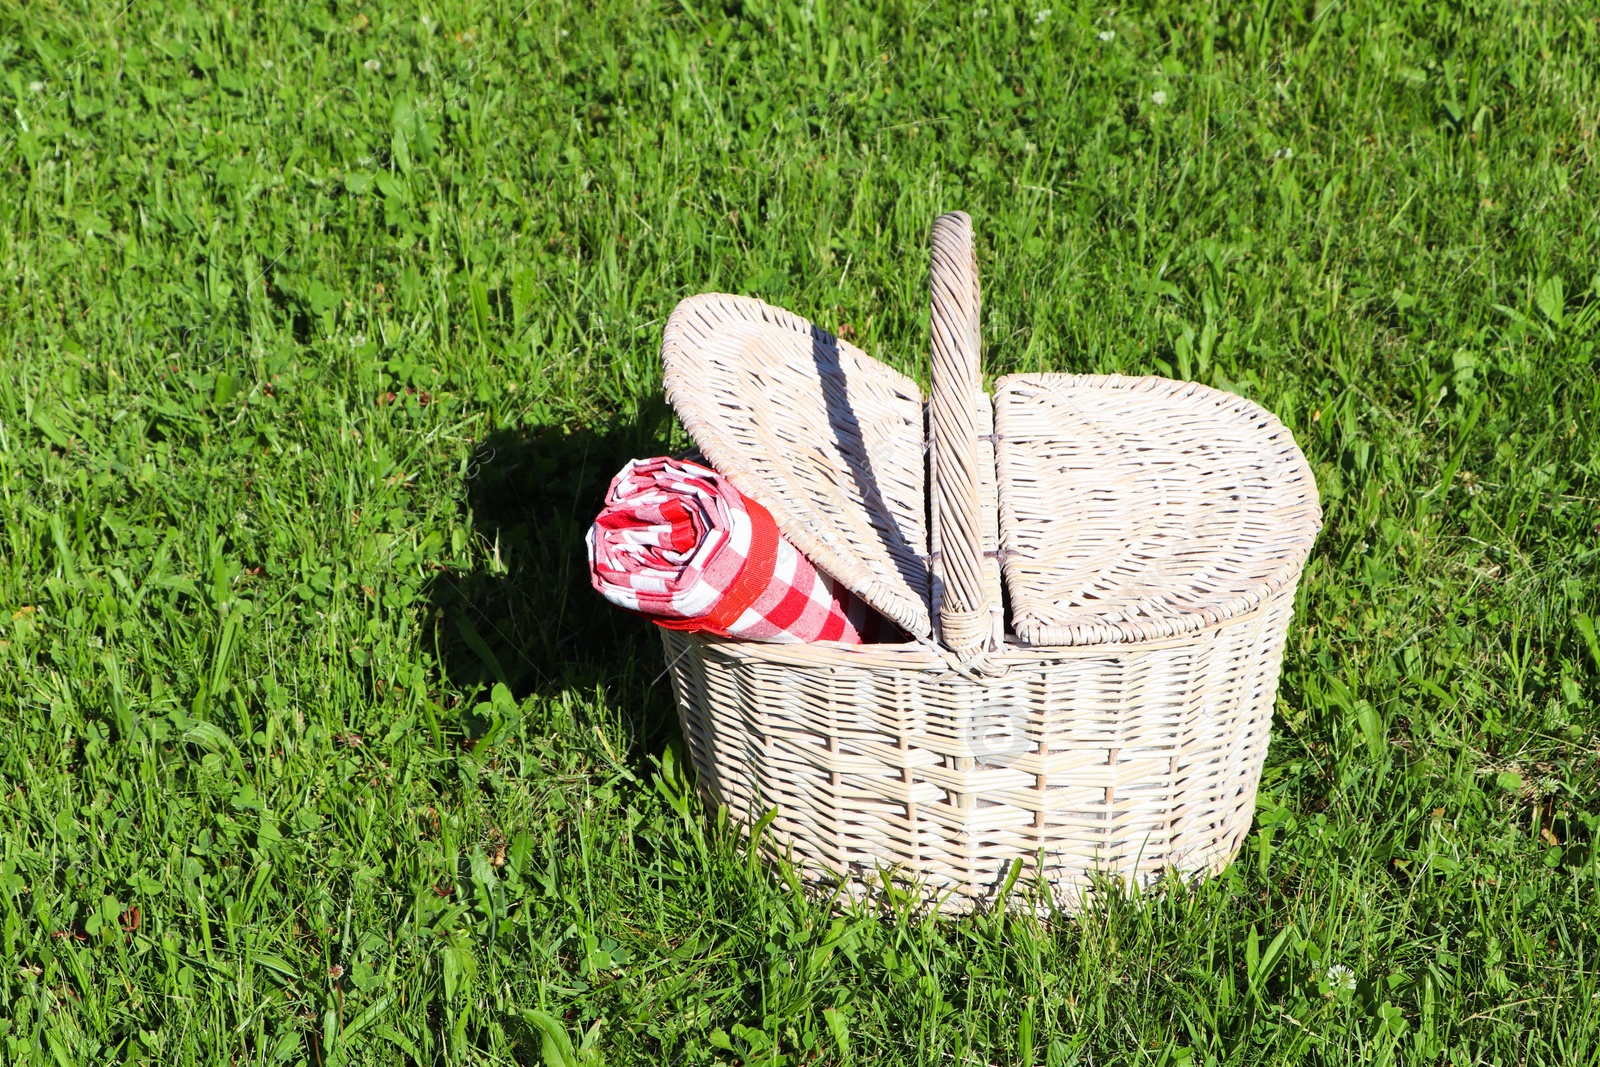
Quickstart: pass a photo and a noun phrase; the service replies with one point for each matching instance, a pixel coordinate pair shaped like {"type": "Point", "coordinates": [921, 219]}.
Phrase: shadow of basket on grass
{"type": "Point", "coordinates": [529, 619]}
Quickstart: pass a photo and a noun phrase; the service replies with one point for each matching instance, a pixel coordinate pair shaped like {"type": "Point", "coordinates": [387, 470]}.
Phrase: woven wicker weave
{"type": "Point", "coordinates": [1153, 531]}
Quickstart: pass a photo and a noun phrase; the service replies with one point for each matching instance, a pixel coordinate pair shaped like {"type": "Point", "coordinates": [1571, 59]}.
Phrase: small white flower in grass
{"type": "Point", "coordinates": [564, 33]}
{"type": "Point", "coordinates": [372, 64]}
{"type": "Point", "coordinates": [1340, 979]}
{"type": "Point", "coordinates": [36, 87]}
{"type": "Point", "coordinates": [981, 13]}
{"type": "Point", "coordinates": [1283, 153]}
{"type": "Point", "coordinates": [1107, 35]}
{"type": "Point", "coordinates": [266, 64]}
{"type": "Point", "coordinates": [1159, 98]}
{"type": "Point", "coordinates": [1040, 16]}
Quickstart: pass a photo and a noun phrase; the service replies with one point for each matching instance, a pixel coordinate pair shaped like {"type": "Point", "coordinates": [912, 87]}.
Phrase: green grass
{"type": "Point", "coordinates": [323, 328]}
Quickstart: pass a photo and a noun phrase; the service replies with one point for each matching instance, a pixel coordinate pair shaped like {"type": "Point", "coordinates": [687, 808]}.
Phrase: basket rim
{"type": "Point", "coordinates": [917, 656]}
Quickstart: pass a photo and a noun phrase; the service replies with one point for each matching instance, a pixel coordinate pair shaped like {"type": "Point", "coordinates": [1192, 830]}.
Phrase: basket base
{"type": "Point", "coordinates": [1096, 766]}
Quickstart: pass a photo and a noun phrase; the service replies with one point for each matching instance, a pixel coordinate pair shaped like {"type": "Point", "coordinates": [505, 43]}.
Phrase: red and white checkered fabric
{"type": "Point", "coordinates": [678, 543]}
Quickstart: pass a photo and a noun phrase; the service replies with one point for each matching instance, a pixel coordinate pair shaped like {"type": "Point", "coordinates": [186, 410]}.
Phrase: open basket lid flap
{"type": "Point", "coordinates": [826, 438]}
{"type": "Point", "coordinates": [1143, 508]}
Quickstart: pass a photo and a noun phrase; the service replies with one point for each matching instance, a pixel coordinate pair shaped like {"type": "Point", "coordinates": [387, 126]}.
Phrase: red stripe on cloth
{"type": "Point", "coordinates": [684, 535]}
{"type": "Point", "coordinates": [756, 574]}
{"type": "Point", "coordinates": [834, 627]}
{"type": "Point", "coordinates": [692, 626]}
{"type": "Point", "coordinates": [787, 611]}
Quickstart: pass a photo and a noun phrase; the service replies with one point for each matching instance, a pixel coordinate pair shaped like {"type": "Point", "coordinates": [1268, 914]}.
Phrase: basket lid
{"type": "Point", "coordinates": [1129, 509]}
{"type": "Point", "coordinates": [826, 438]}
{"type": "Point", "coordinates": [1141, 508]}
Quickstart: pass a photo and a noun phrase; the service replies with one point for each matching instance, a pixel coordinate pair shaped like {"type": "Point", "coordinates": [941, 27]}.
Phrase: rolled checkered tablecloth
{"type": "Point", "coordinates": [678, 543]}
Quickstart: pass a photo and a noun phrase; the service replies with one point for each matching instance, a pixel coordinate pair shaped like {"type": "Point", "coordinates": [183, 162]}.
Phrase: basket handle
{"type": "Point", "coordinates": [964, 613]}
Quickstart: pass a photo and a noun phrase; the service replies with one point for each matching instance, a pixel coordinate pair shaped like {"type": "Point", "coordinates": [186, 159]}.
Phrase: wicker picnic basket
{"type": "Point", "coordinates": [1150, 532]}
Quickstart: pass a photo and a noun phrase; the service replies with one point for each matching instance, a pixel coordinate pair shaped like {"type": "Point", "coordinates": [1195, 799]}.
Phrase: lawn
{"type": "Point", "coordinates": [323, 327]}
